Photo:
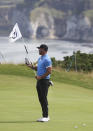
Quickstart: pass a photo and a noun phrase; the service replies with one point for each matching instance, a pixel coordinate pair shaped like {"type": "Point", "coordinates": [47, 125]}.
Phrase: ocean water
{"type": "Point", "coordinates": [15, 52]}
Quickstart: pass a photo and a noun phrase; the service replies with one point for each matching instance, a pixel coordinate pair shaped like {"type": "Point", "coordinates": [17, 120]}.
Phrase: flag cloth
{"type": "Point", "coordinates": [15, 34]}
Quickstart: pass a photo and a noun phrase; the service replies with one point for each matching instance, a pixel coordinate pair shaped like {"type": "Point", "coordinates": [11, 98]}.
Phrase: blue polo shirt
{"type": "Point", "coordinates": [43, 63]}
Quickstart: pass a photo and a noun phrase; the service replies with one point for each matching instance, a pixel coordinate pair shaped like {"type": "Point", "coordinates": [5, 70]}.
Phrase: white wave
{"type": "Point", "coordinates": [15, 52]}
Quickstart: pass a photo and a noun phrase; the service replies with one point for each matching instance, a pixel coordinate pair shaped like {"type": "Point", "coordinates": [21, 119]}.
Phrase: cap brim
{"type": "Point", "coordinates": [38, 47]}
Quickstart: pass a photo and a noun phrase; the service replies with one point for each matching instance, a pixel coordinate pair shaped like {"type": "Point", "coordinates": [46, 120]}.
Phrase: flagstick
{"type": "Point", "coordinates": [15, 35]}
{"type": "Point", "coordinates": [27, 52]}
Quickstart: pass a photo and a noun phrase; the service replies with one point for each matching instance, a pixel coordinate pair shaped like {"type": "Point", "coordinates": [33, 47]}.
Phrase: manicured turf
{"type": "Point", "coordinates": [70, 106]}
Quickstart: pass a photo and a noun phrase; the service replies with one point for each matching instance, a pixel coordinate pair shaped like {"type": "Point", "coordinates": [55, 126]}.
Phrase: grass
{"type": "Point", "coordinates": [18, 70]}
{"type": "Point", "coordinates": [58, 75]}
{"type": "Point", "coordinates": [74, 78]}
{"type": "Point", "coordinates": [70, 106]}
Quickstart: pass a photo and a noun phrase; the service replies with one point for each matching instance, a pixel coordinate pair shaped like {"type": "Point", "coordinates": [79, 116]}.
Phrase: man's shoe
{"type": "Point", "coordinates": [51, 83]}
{"type": "Point", "coordinates": [43, 119]}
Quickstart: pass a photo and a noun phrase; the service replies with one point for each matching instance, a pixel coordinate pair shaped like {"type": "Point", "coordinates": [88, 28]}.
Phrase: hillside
{"type": "Point", "coordinates": [70, 101]}
{"type": "Point", "coordinates": [70, 106]}
{"type": "Point", "coordinates": [61, 76]}
{"type": "Point", "coordinates": [49, 19]}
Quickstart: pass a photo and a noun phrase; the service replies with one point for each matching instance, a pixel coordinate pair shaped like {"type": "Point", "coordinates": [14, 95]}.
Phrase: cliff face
{"type": "Point", "coordinates": [71, 20]}
{"type": "Point", "coordinates": [71, 27]}
{"type": "Point", "coordinates": [51, 19]}
{"type": "Point", "coordinates": [79, 28]}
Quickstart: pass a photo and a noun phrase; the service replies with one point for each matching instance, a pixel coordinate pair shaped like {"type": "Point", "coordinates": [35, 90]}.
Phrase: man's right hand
{"type": "Point", "coordinates": [30, 65]}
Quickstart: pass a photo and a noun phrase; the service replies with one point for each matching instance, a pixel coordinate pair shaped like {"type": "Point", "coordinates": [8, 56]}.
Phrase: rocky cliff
{"type": "Point", "coordinates": [52, 24]}
{"type": "Point", "coordinates": [50, 19]}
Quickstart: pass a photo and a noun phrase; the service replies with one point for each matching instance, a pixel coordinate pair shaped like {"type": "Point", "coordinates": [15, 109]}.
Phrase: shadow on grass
{"type": "Point", "coordinates": [18, 122]}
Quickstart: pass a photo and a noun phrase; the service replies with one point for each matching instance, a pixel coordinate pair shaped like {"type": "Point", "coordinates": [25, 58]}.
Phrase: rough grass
{"type": "Point", "coordinates": [72, 78]}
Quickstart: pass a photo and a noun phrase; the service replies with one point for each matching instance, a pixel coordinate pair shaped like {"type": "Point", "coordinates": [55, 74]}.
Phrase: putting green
{"type": "Point", "coordinates": [70, 107]}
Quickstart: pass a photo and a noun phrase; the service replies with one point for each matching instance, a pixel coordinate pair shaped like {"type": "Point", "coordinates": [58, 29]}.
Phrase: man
{"type": "Point", "coordinates": [44, 68]}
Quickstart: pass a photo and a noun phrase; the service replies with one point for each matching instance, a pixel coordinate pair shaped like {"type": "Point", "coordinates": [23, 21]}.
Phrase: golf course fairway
{"type": "Point", "coordinates": [70, 106]}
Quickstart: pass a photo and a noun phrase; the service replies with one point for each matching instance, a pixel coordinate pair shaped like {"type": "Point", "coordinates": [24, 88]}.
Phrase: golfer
{"type": "Point", "coordinates": [44, 68]}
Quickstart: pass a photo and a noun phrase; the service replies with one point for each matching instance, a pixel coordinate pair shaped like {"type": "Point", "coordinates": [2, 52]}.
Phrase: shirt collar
{"type": "Point", "coordinates": [43, 56]}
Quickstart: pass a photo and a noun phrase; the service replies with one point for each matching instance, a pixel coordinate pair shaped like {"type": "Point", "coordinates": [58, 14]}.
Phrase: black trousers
{"type": "Point", "coordinates": [42, 90]}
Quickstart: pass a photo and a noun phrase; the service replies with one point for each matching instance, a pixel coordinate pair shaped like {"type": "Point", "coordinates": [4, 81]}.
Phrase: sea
{"type": "Point", "coordinates": [15, 53]}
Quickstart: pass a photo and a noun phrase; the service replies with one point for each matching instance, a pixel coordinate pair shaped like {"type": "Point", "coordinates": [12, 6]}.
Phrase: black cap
{"type": "Point", "coordinates": [43, 46]}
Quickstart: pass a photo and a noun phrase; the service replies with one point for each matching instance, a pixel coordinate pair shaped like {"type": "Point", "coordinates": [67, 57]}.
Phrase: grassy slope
{"type": "Point", "coordinates": [79, 79]}
{"type": "Point", "coordinates": [73, 78]}
{"type": "Point", "coordinates": [70, 106]}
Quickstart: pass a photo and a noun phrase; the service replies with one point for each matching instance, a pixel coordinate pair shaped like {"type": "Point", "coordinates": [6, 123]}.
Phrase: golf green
{"type": "Point", "coordinates": [70, 106]}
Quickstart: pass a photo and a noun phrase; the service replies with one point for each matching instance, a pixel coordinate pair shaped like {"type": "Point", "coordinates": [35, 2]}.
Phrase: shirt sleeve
{"type": "Point", "coordinates": [48, 63]}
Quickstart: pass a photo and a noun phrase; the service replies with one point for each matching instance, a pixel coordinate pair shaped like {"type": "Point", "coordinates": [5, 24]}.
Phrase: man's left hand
{"type": "Point", "coordinates": [38, 77]}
